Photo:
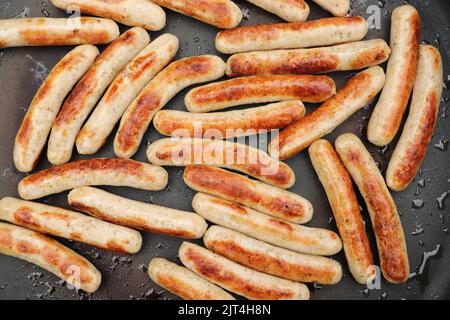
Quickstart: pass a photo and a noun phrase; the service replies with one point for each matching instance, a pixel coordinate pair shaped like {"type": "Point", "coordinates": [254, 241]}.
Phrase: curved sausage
{"type": "Point", "coordinates": [341, 195]}
{"type": "Point", "coordinates": [183, 282]}
{"type": "Point", "coordinates": [356, 94]}
{"type": "Point", "coordinates": [239, 279]}
{"type": "Point", "coordinates": [229, 124]}
{"type": "Point", "coordinates": [401, 72]}
{"type": "Point", "coordinates": [265, 228]}
{"type": "Point", "coordinates": [89, 90]}
{"type": "Point", "coordinates": [273, 260]}
{"type": "Point", "coordinates": [316, 33]}
{"type": "Point", "coordinates": [383, 212]}
{"type": "Point", "coordinates": [234, 187]}
{"type": "Point", "coordinates": [50, 255]}
{"type": "Point", "coordinates": [418, 131]}
{"type": "Point", "coordinates": [218, 153]}
{"type": "Point", "coordinates": [169, 82]}
{"type": "Point", "coordinates": [289, 10]}
{"type": "Point", "coordinates": [259, 89]}
{"type": "Point", "coordinates": [56, 31]}
{"type": "Point", "coordinates": [126, 87]}
{"type": "Point", "coordinates": [113, 172]}
{"type": "Point", "coordinates": [137, 215]}
{"type": "Point", "coordinates": [338, 8]}
{"type": "Point", "coordinates": [343, 57]}
{"type": "Point", "coordinates": [133, 13]}
{"type": "Point", "coordinates": [33, 133]}
{"type": "Point", "coordinates": [70, 225]}
{"type": "Point", "coordinates": [222, 14]}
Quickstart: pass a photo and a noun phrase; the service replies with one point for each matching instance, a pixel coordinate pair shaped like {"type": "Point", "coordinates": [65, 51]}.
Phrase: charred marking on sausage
{"type": "Point", "coordinates": [281, 224]}
{"type": "Point", "coordinates": [25, 131]}
{"type": "Point", "coordinates": [25, 216]}
{"type": "Point", "coordinates": [115, 247]}
{"type": "Point", "coordinates": [369, 57]}
{"type": "Point", "coordinates": [5, 238]}
{"type": "Point", "coordinates": [26, 247]}
{"type": "Point", "coordinates": [230, 205]}
{"type": "Point", "coordinates": [181, 288]}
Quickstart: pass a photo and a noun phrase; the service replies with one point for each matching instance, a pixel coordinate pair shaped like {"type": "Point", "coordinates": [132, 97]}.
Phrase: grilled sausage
{"type": "Point", "coordinates": [133, 13]}
{"type": "Point", "coordinates": [183, 282]}
{"type": "Point", "coordinates": [229, 124]}
{"type": "Point", "coordinates": [218, 153]}
{"type": "Point", "coordinates": [259, 89]}
{"type": "Point", "coordinates": [56, 31]}
{"type": "Point", "coordinates": [289, 10]}
{"type": "Point", "coordinates": [114, 172]}
{"type": "Point", "coordinates": [383, 212]}
{"type": "Point", "coordinates": [169, 82]}
{"type": "Point", "coordinates": [230, 186]}
{"type": "Point", "coordinates": [401, 72]}
{"type": "Point", "coordinates": [419, 127]}
{"type": "Point", "coordinates": [89, 90]}
{"type": "Point", "coordinates": [341, 195]}
{"type": "Point", "coordinates": [273, 260]}
{"type": "Point", "coordinates": [265, 228]}
{"type": "Point", "coordinates": [239, 279]}
{"type": "Point", "coordinates": [70, 225]}
{"type": "Point", "coordinates": [33, 133]}
{"type": "Point", "coordinates": [338, 8]}
{"type": "Point", "coordinates": [323, 32]}
{"type": "Point", "coordinates": [343, 57]}
{"type": "Point", "coordinates": [137, 215]}
{"type": "Point", "coordinates": [222, 14]}
{"type": "Point", "coordinates": [126, 87]}
{"type": "Point", "coordinates": [357, 93]}
{"type": "Point", "coordinates": [50, 255]}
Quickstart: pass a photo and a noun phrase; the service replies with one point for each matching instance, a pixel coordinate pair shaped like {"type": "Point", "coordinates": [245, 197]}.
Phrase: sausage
{"type": "Point", "coordinates": [266, 228]}
{"type": "Point", "coordinates": [133, 13]}
{"type": "Point", "coordinates": [137, 215]}
{"type": "Point", "coordinates": [183, 282]}
{"type": "Point", "coordinates": [418, 131]}
{"type": "Point", "coordinates": [89, 90]}
{"type": "Point", "coordinates": [113, 172]}
{"type": "Point", "coordinates": [33, 133]}
{"type": "Point", "coordinates": [273, 260]}
{"type": "Point", "coordinates": [259, 89]}
{"type": "Point", "coordinates": [218, 153]}
{"type": "Point", "coordinates": [316, 33]}
{"type": "Point", "coordinates": [222, 14]}
{"type": "Point", "coordinates": [382, 209]}
{"type": "Point", "coordinates": [70, 225]}
{"type": "Point", "coordinates": [401, 72]}
{"type": "Point", "coordinates": [341, 195]}
{"type": "Point", "coordinates": [264, 198]}
{"type": "Point", "coordinates": [343, 57]}
{"type": "Point", "coordinates": [239, 279]}
{"type": "Point", "coordinates": [229, 124]}
{"type": "Point", "coordinates": [289, 10]}
{"type": "Point", "coordinates": [169, 82]}
{"type": "Point", "coordinates": [50, 255]}
{"type": "Point", "coordinates": [355, 94]}
{"type": "Point", "coordinates": [56, 31]}
{"type": "Point", "coordinates": [126, 87]}
{"type": "Point", "coordinates": [338, 8]}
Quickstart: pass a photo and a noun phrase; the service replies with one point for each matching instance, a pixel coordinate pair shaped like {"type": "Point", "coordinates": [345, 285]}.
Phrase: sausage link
{"type": "Point", "coordinates": [289, 10]}
{"type": "Point", "coordinates": [338, 8]}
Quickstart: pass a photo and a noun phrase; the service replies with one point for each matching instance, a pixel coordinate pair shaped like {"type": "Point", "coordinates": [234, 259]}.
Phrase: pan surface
{"type": "Point", "coordinates": [424, 205]}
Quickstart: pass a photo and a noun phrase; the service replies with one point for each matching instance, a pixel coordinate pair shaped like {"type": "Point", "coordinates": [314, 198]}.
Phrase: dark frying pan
{"type": "Point", "coordinates": [424, 207]}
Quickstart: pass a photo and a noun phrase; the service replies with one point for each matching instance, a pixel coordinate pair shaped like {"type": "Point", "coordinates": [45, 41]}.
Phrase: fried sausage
{"type": "Point", "coordinates": [338, 8]}
{"type": "Point", "coordinates": [259, 89]}
{"type": "Point", "coordinates": [169, 82]}
{"type": "Point", "coordinates": [89, 90]}
{"type": "Point", "coordinates": [382, 209]}
{"type": "Point", "coordinates": [323, 32]}
{"type": "Point", "coordinates": [137, 215]}
{"type": "Point", "coordinates": [289, 10]}
{"type": "Point", "coordinates": [418, 131]}
{"type": "Point", "coordinates": [401, 72]}
{"type": "Point", "coordinates": [357, 93]}
{"type": "Point", "coordinates": [239, 279]}
{"type": "Point", "coordinates": [230, 186]}
{"type": "Point", "coordinates": [113, 172]}
{"type": "Point", "coordinates": [341, 195]}
{"type": "Point", "coordinates": [218, 153]}
{"type": "Point", "coordinates": [50, 255]}
{"type": "Point", "coordinates": [133, 78]}
{"type": "Point", "coordinates": [266, 228]}
{"type": "Point", "coordinates": [33, 133]}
